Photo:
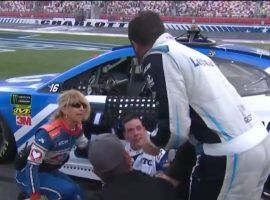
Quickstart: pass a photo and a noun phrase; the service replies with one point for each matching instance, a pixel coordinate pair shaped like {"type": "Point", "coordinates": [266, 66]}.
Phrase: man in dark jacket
{"type": "Point", "coordinates": [113, 165]}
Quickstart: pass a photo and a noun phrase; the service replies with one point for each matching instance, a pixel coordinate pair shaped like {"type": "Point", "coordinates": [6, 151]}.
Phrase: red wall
{"type": "Point", "coordinates": [216, 20]}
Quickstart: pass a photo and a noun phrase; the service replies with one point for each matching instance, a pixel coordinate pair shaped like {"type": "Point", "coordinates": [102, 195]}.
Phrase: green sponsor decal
{"type": "Point", "coordinates": [21, 99]}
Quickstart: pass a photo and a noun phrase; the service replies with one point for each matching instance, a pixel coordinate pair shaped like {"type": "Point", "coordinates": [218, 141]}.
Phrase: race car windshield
{"type": "Point", "coordinates": [246, 79]}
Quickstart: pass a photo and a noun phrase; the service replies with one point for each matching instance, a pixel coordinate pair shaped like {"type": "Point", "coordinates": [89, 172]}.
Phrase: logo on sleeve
{"type": "Point", "coordinates": [36, 155]}
{"type": "Point", "coordinates": [147, 67]}
{"type": "Point", "coordinates": [41, 140]}
{"type": "Point", "coordinates": [154, 132]}
{"type": "Point", "coordinates": [150, 81]}
{"type": "Point", "coordinates": [146, 161]}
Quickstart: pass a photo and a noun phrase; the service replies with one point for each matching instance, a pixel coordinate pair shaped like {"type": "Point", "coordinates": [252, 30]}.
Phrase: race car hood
{"type": "Point", "coordinates": [244, 48]}
{"type": "Point", "coordinates": [25, 82]}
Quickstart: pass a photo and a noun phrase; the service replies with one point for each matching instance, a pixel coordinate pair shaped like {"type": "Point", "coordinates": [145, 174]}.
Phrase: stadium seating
{"type": "Point", "coordinates": [125, 9]}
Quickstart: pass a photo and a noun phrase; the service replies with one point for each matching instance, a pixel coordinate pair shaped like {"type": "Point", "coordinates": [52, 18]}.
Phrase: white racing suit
{"type": "Point", "coordinates": [147, 163]}
{"type": "Point", "coordinates": [194, 98]}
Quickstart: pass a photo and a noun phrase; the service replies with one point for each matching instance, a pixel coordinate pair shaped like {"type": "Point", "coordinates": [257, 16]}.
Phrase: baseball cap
{"type": "Point", "coordinates": [106, 152]}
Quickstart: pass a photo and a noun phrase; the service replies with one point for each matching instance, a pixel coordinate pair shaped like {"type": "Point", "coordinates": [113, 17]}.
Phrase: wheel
{"type": "Point", "coordinates": [8, 148]}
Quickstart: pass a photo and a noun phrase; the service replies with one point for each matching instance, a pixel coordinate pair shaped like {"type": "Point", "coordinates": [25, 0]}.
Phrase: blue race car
{"type": "Point", "coordinates": [112, 83]}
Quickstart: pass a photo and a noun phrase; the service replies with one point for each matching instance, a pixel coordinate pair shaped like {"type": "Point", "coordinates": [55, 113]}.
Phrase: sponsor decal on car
{"type": "Point", "coordinates": [21, 99]}
{"type": "Point", "coordinates": [211, 53]}
{"type": "Point", "coordinates": [21, 110]}
{"type": "Point", "coordinates": [23, 120]}
{"type": "Point", "coordinates": [54, 87]}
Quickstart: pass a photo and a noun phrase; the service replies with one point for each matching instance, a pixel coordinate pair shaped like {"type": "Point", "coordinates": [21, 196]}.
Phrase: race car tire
{"type": "Point", "coordinates": [8, 148]}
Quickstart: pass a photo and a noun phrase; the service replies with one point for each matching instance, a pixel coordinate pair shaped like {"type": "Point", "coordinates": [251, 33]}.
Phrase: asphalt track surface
{"type": "Point", "coordinates": [8, 188]}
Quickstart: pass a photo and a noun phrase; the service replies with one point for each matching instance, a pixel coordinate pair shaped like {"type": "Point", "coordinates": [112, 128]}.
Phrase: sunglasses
{"type": "Point", "coordinates": [78, 105]}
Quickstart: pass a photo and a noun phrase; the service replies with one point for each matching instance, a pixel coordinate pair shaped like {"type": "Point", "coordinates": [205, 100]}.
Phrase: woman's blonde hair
{"type": "Point", "coordinates": [69, 97]}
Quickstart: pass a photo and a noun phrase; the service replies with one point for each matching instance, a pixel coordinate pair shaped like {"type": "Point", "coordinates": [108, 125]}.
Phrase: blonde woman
{"type": "Point", "coordinates": [51, 148]}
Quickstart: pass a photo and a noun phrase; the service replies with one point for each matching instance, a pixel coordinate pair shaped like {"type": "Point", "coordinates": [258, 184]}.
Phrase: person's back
{"type": "Point", "coordinates": [214, 113]}
{"type": "Point", "coordinates": [209, 93]}
{"type": "Point", "coordinates": [113, 165]}
{"type": "Point", "coordinates": [135, 185]}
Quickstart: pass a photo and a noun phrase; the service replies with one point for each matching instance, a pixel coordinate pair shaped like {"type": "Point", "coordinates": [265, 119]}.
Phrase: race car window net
{"type": "Point", "coordinates": [95, 80]}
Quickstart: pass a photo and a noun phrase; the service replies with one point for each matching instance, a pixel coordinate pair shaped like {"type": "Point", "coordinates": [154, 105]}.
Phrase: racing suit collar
{"type": "Point", "coordinates": [70, 131]}
{"type": "Point", "coordinates": [159, 41]}
{"type": "Point", "coordinates": [131, 151]}
{"type": "Point", "coordinates": [162, 38]}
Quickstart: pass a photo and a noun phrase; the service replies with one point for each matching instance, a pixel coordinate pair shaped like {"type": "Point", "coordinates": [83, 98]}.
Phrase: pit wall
{"type": "Point", "coordinates": [181, 26]}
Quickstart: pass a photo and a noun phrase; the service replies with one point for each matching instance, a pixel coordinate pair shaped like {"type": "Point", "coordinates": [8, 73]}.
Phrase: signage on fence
{"type": "Point", "coordinates": [105, 23]}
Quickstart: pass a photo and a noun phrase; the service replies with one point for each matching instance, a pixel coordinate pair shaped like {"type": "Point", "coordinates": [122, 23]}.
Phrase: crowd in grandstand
{"type": "Point", "coordinates": [92, 9]}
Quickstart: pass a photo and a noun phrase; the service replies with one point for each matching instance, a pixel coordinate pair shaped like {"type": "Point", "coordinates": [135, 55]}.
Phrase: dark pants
{"type": "Point", "coordinates": [201, 177]}
{"type": "Point", "coordinates": [207, 177]}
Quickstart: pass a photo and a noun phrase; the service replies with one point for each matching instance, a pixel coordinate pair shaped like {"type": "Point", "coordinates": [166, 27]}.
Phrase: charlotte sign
{"type": "Point", "coordinates": [87, 23]}
{"type": "Point", "coordinates": [104, 23]}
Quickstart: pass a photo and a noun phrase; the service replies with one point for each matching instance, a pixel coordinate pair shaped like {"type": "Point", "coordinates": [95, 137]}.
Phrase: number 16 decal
{"type": "Point", "coordinates": [54, 87]}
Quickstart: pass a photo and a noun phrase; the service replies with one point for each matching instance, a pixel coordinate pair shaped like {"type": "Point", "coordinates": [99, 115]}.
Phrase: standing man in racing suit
{"type": "Point", "coordinates": [196, 100]}
{"type": "Point", "coordinates": [135, 135]}
{"type": "Point", "coordinates": [50, 150]}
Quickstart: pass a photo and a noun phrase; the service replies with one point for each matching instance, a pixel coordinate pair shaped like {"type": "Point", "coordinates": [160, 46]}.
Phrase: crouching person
{"type": "Point", "coordinates": [114, 166]}
{"type": "Point", "coordinates": [50, 150]}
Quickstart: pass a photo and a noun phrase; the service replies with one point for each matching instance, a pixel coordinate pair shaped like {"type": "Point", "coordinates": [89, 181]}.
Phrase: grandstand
{"type": "Point", "coordinates": [124, 10]}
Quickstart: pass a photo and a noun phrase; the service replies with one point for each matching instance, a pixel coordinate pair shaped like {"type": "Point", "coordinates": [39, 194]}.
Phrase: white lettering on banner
{"type": "Point", "coordinates": [86, 23]}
